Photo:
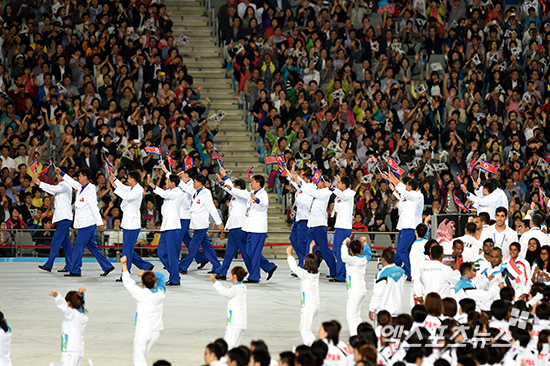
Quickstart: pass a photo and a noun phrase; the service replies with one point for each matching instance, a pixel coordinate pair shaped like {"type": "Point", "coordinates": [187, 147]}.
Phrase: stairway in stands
{"type": "Point", "coordinates": [204, 62]}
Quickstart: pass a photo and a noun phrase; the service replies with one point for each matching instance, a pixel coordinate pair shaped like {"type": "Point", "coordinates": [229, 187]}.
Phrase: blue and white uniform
{"type": "Point", "coordinates": [63, 218]}
{"type": "Point", "coordinates": [356, 267]}
{"type": "Point", "coordinates": [72, 333]}
{"type": "Point", "coordinates": [236, 312]}
{"type": "Point", "coordinates": [387, 293]}
{"type": "Point", "coordinates": [236, 239]}
{"type": "Point", "coordinates": [169, 247]}
{"type": "Point", "coordinates": [131, 222]}
{"type": "Point", "coordinates": [411, 204]}
{"type": "Point", "coordinates": [255, 226]}
{"type": "Point", "coordinates": [185, 217]}
{"type": "Point", "coordinates": [148, 315]}
{"type": "Point", "coordinates": [343, 208]}
{"type": "Point", "coordinates": [318, 221]}
{"type": "Point", "coordinates": [310, 301]}
{"type": "Point", "coordinates": [299, 233]}
{"type": "Point", "coordinates": [202, 207]}
{"type": "Point", "coordinates": [86, 219]}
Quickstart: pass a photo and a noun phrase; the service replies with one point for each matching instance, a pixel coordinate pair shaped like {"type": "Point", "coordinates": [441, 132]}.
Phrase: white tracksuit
{"type": "Point", "coordinates": [388, 290]}
{"type": "Point", "coordinates": [436, 277]}
{"type": "Point", "coordinates": [310, 302]}
{"type": "Point", "coordinates": [337, 355]}
{"type": "Point", "coordinates": [72, 333]}
{"type": "Point", "coordinates": [475, 289]}
{"type": "Point", "coordinates": [356, 267]}
{"type": "Point", "coordinates": [148, 314]}
{"type": "Point", "coordinates": [5, 342]}
{"type": "Point", "coordinates": [236, 312]}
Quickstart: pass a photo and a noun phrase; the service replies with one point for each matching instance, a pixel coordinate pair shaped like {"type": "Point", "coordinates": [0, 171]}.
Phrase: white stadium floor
{"type": "Point", "coordinates": [194, 313]}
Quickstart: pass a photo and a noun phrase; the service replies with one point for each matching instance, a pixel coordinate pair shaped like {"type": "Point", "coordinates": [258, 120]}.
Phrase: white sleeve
{"type": "Point", "coordinates": [73, 183]}
{"type": "Point", "coordinates": [131, 286]}
{"type": "Point", "coordinates": [62, 304]}
{"type": "Point", "coordinates": [300, 272]}
{"type": "Point", "coordinates": [51, 189]}
{"type": "Point", "coordinates": [377, 294]}
{"type": "Point", "coordinates": [225, 292]}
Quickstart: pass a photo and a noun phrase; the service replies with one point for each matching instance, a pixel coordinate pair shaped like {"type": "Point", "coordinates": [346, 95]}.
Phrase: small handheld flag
{"type": "Point", "coordinates": [316, 177]}
{"type": "Point", "coordinates": [395, 167]}
{"type": "Point", "coordinates": [281, 162]}
{"type": "Point", "coordinates": [153, 150]}
{"type": "Point", "coordinates": [189, 163]}
{"type": "Point", "coordinates": [47, 169]}
{"type": "Point", "coordinates": [34, 166]}
{"type": "Point", "coordinates": [109, 165]}
{"type": "Point", "coordinates": [542, 196]}
{"type": "Point", "coordinates": [459, 179]}
{"type": "Point", "coordinates": [249, 172]}
{"type": "Point", "coordinates": [217, 155]}
{"type": "Point", "coordinates": [270, 160]}
{"type": "Point", "coordinates": [374, 160]}
{"type": "Point", "coordinates": [472, 166]}
{"type": "Point", "coordinates": [171, 161]}
{"type": "Point", "coordinates": [459, 204]}
{"type": "Point", "coordinates": [485, 166]}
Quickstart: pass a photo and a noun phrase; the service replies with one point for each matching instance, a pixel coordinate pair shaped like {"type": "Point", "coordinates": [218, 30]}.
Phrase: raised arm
{"type": "Point", "coordinates": [73, 183]}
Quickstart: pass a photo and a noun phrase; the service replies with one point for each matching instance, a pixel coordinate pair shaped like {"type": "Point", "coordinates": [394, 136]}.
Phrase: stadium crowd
{"type": "Point", "coordinates": [331, 83]}
{"type": "Point", "coordinates": [85, 81]}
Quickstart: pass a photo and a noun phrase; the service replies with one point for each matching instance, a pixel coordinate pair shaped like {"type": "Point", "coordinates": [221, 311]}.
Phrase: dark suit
{"type": "Point", "coordinates": [508, 85]}
{"type": "Point", "coordinates": [320, 160]}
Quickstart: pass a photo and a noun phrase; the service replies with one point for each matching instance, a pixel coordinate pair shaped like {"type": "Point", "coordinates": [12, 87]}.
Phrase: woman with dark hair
{"type": "Point", "coordinates": [434, 305]}
{"type": "Point", "coordinates": [541, 269]}
{"type": "Point", "coordinates": [337, 354]}
{"type": "Point", "coordinates": [309, 288]}
{"type": "Point", "coordinates": [533, 251]}
{"type": "Point", "coordinates": [74, 324]}
{"type": "Point", "coordinates": [449, 308]}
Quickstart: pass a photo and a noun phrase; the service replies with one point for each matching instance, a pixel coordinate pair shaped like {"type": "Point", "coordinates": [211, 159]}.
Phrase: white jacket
{"type": "Point", "coordinates": [483, 203]}
{"type": "Point", "coordinates": [5, 344]}
{"type": "Point", "coordinates": [170, 208]}
{"type": "Point", "coordinates": [472, 247]}
{"type": "Point", "coordinates": [343, 207]}
{"type": "Point", "coordinates": [237, 206]}
{"type": "Point", "coordinates": [63, 192]}
{"type": "Point", "coordinates": [337, 355]}
{"type": "Point", "coordinates": [309, 285]}
{"type": "Point", "coordinates": [86, 211]}
{"type": "Point", "coordinates": [236, 306]}
{"type": "Point", "coordinates": [302, 202]}
{"type": "Point", "coordinates": [256, 213]}
{"type": "Point", "coordinates": [436, 277]}
{"type": "Point", "coordinates": [130, 205]}
{"type": "Point", "coordinates": [417, 257]}
{"type": "Point", "coordinates": [503, 240]}
{"type": "Point", "coordinates": [475, 290]}
{"type": "Point", "coordinates": [411, 205]}
{"type": "Point", "coordinates": [72, 329]}
{"type": "Point", "coordinates": [202, 207]}
{"type": "Point", "coordinates": [356, 267]}
{"type": "Point", "coordinates": [150, 302]}
{"type": "Point", "coordinates": [318, 215]}
{"type": "Point", "coordinates": [388, 290]}
{"type": "Point", "coordinates": [188, 191]}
